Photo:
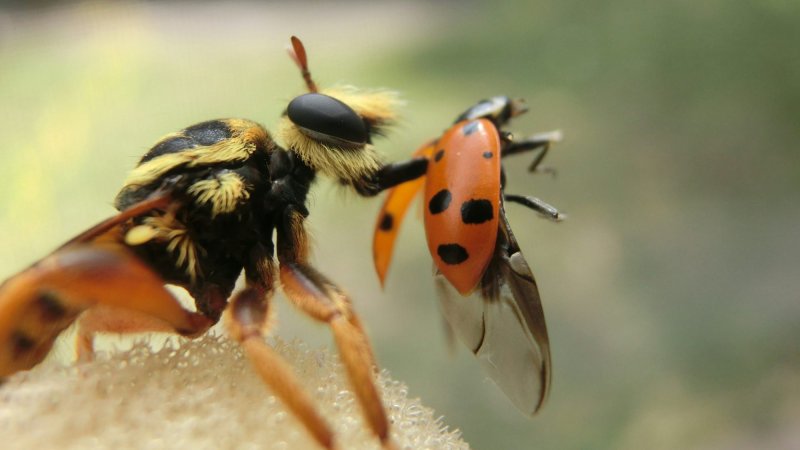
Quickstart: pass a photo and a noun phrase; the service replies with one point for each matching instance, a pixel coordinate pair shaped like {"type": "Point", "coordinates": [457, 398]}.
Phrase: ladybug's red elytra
{"type": "Point", "coordinates": [462, 199]}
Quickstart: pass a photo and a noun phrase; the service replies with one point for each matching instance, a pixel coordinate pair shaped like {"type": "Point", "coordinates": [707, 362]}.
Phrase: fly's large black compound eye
{"type": "Point", "coordinates": [328, 120]}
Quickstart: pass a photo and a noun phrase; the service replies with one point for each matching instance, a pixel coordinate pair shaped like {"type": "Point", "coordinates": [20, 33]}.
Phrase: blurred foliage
{"type": "Point", "coordinates": [671, 291]}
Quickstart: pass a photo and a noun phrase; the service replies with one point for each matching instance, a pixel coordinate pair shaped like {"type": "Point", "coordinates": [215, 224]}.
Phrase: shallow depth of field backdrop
{"type": "Point", "coordinates": [672, 291]}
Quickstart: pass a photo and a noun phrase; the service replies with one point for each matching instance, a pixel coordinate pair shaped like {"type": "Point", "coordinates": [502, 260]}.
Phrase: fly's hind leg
{"type": "Point", "coordinates": [106, 319]}
{"type": "Point", "coordinates": [324, 301]}
{"type": "Point", "coordinates": [40, 302]}
{"type": "Point", "coordinates": [109, 319]}
{"type": "Point", "coordinates": [248, 321]}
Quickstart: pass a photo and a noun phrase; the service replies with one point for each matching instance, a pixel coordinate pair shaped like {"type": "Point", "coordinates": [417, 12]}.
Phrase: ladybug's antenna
{"type": "Point", "coordinates": [298, 54]}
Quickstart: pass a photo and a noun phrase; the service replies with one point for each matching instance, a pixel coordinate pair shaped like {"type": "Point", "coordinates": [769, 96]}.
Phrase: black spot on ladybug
{"type": "Point", "coordinates": [439, 155]}
{"type": "Point", "coordinates": [469, 128]}
{"type": "Point", "coordinates": [488, 155]}
{"type": "Point", "coordinates": [387, 222]}
{"type": "Point", "coordinates": [440, 201]}
{"type": "Point", "coordinates": [476, 211]}
{"type": "Point", "coordinates": [452, 253]}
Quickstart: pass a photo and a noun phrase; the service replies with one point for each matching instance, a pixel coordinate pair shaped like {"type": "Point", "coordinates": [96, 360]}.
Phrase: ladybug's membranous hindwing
{"type": "Point", "coordinates": [462, 196]}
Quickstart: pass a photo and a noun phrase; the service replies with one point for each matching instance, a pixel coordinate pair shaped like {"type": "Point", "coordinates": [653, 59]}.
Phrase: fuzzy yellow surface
{"type": "Point", "coordinates": [198, 394]}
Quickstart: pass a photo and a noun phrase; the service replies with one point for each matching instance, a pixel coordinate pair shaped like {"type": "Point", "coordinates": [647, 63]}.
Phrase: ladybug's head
{"type": "Point", "coordinates": [499, 109]}
{"type": "Point", "coordinates": [332, 130]}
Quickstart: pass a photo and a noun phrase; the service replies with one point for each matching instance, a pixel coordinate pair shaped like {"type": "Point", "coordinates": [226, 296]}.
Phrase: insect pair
{"type": "Point", "coordinates": [222, 197]}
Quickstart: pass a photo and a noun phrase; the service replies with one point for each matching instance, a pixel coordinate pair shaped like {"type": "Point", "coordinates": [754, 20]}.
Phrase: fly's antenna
{"type": "Point", "coordinates": [298, 55]}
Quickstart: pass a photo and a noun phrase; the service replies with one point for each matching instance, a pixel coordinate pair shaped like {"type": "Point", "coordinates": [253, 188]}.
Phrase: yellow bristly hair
{"type": "Point", "coordinates": [223, 192]}
{"type": "Point", "coordinates": [243, 142]}
{"type": "Point", "coordinates": [377, 107]}
{"type": "Point", "coordinates": [166, 228]}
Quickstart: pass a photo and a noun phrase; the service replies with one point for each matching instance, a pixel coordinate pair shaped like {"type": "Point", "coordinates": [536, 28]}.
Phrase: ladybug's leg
{"type": "Point", "coordinates": [248, 322]}
{"type": "Point", "coordinates": [323, 300]}
{"type": "Point", "coordinates": [537, 205]}
{"type": "Point", "coordinates": [40, 302]}
{"type": "Point", "coordinates": [541, 141]}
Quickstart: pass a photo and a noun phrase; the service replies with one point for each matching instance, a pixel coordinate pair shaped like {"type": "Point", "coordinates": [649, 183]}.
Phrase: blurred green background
{"type": "Point", "coordinates": [672, 291]}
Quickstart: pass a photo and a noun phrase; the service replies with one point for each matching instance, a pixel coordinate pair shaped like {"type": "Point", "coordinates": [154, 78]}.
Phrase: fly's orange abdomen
{"type": "Point", "coordinates": [462, 196]}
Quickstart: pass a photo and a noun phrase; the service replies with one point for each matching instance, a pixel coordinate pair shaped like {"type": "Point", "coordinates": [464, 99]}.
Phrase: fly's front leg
{"type": "Point", "coordinates": [248, 321]}
{"type": "Point", "coordinates": [321, 299]}
{"type": "Point", "coordinates": [391, 175]}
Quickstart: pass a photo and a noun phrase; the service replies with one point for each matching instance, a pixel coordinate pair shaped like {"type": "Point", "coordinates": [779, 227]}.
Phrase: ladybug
{"type": "Point", "coordinates": [487, 291]}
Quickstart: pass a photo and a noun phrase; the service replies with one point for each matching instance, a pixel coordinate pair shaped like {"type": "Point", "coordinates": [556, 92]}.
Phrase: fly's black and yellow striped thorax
{"type": "Point", "coordinates": [206, 146]}
{"type": "Point", "coordinates": [218, 174]}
